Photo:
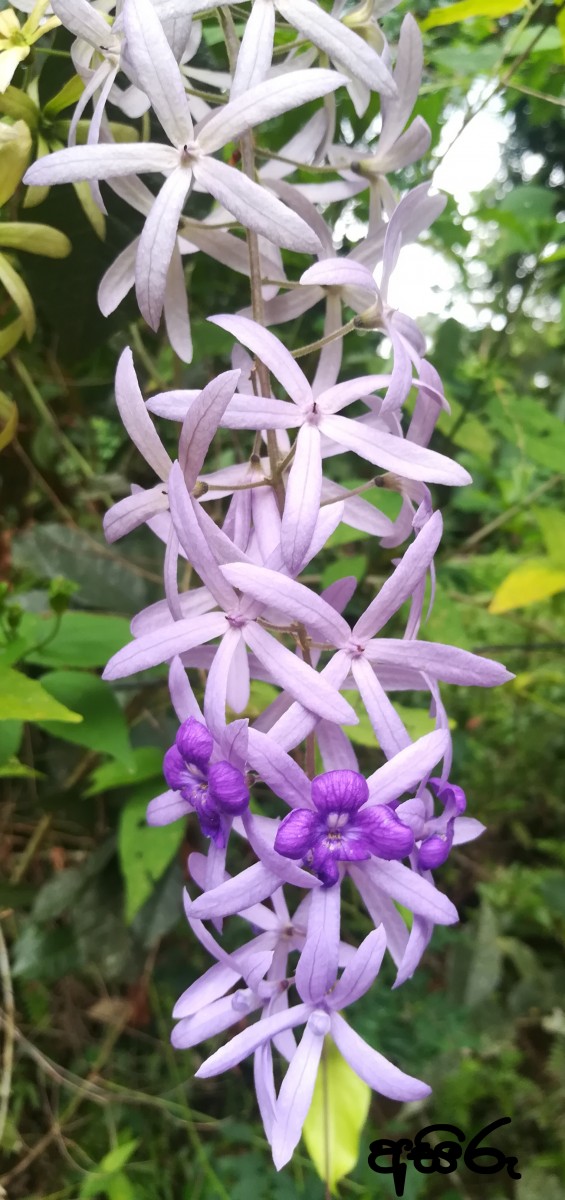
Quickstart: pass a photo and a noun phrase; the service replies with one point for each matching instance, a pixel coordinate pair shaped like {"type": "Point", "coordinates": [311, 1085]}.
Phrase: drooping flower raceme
{"type": "Point", "coordinates": [252, 616]}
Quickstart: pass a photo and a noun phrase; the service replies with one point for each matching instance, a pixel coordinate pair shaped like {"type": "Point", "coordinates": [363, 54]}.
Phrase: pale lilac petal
{"type": "Point", "coordinates": [211, 986]}
{"type": "Point", "coordinates": [382, 912]}
{"type": "Point", "coordinates": [247, 1042]}
{"type": "Point", "coordinates": [263, 102]}
{"type": "Point", "coordinates": [297, 1089]}
{"type": "Point", "coordinates": [406, 770]}
{"type": "Point", "coordinates": [271, 352]}
{"type": "Point", "coordinates": [329, 517]}
{"type": "Point", "coordinates": [194, 542]}
{"type": "Point", "coordinates": [262, 833]}
{"type": "Point", "coordinates": [167, 807]}
{"type": "Point", "coordinates": [373, 1068]}
{"type": "Point", "coordinates": [175, 308]}
{"type": "Point", "coordinates": [214, 1018]}
{"type": "Point", "coordinates": [159, 647]}
{"type": "Point", "coordinates": [408, 888]}
{"type": "Point", "coordinates": [83, 20]}
{"type": "Point", "coordinates": [183, 699]}
{"type": "Point", "coordinates": [217, 682]}
{"type": "Point", "coordinates": [302, 502]}
{"type": "Point", "coordinates": [447, 663]}
{"type": "Point", "coordinates": [466, 829]}
{"type": "Point", "coordinates": [250, 887]}
{"type": "Point", "coordinates": [157, 244]}
{"type": "Point", "coordinates": [407, 76]}
{"type": "Point", "coordinates": [295, 200]}
{"type": "Point", "coordinates": [239, 682]}
{"type": "Point", "coordinates": [193, 603]}
{"type": "Point", "coordinates": [260, 412]}
{"type": "Point", "coordinates": [335, 748]}
{"type": "Point", "coordinates": [329, 360]}
{"type": "Point", "coordinates": [132, 511]}
{"type": "Point", "coordinates": [287, 596]}
{"type": "Point", "coordinates": [279, 771]}
{"type": "Point", "coordinates": [361, 972]}
{"type": "Point", "coordinates": [117, 280]}
{"type": "Point", "coordinates": [420, 935]}
{"type": "Point", "coordinates": [340, 272]}
{"type": "Point", "coordinates": [172, 405]}
{"type": "Point", "coordinates": [201, 423]}
{"type": "Point", "coordinates": [337, 397]}
{"type": "Point", "coordinates": [390, 730]}
{"type": "Point", "coordinates": [316, 971]}
{"type": "Point", "coordinates": [414, 213]}
{"type": "Point", "coordinates": [298, 721]}
{"type": "Point", "coordinates": [136, 419]}
{"type": "Point", "coordinates": [394, 454]}
{"type": "Point", "coordinates": [342, 46]}
{"type": "Point", "coordinates": [264, 1081]}
{"type": "Point", "coordinates": [156, 70]}
{"type": "Point", "coordinates": [400, 585]}
{"type": "Point", "coordinates": [299, 680]}
{"type": "Point", "coordinates": [253, 206]}
{"type": "Point", "coordinates": [256, 49]}
{"type": "Point", "coordinates": [78, 163]}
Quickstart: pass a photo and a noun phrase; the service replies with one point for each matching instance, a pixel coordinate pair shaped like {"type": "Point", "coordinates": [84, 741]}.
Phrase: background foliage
{"type": "Point", "coordinates": [90, 898]}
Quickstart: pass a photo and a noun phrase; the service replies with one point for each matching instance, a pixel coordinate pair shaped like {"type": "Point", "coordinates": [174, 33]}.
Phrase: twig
{"type": "Point", "coordinates": [8, 1022]}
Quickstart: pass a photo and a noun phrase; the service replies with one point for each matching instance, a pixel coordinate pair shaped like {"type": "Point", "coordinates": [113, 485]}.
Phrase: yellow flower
{"type": "Point", "coordinates": [16, 40]}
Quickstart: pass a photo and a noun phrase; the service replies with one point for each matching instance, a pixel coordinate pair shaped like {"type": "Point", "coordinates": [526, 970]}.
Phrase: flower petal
{"type": "Point", "coordinates": [157, 244]}
{"type": "Point", "coordinates": [136, 419]}
{"type": "Point", "coordinates": [295, 1096]}
{"type": "Point", "coordinates": [156, 70]}
{"type": "Point", "coordinates": [373, 1068]}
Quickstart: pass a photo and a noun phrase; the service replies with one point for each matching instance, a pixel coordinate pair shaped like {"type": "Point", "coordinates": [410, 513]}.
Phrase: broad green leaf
{"type": "Point", "coordinates": [530, 583]}
{"type": "Point", "coordinates": [15, 147]}
{"type": "Point", "coordinates": [338, 1112]}
{"type": "Point", "coordinates": [24, 699]}
{"type": "Point", "coordinates": [19, 106]}
{"type": "Point", "coordinates": [355, 564]}
{"type": "Point", "coordinates": [145, 852]}
{"type": "Point", "coordinates": [118, 1187]}
{"type": "Point", "coordinates": [34, 238]}
{"type": "Point", "coordinates": [8, 420]}
{"type": "Point", "coordinates": [82, 640]}
{"type": "Point", "coordinates": [465, 9]}
{"type": "Point", "coordinates": [19, 293]}
{"type": "Point", "coordinates": [552, 527]}
{"type": "Point", "coordinates": [119, 1156]}
{"type": "Point", "coordinates": [146, 763]}
{"type": "Point", "coordinates": [104, 727]}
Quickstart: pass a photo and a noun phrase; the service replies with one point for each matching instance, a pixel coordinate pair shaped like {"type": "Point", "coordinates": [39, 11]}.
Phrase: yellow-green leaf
{"type": "Point", "coordinates": [528, 584]}
{"type": "Point", "coordinates": [24, 699]}
{"type": "Point", "coordinates": [470, 8]}
{"type": "Point", "coordinates": [19, 106]}
{"type": "Point", "coordinates": [336, 1118]}
{"type": "Point", "coordinates": [15, 147]}
{"type": "Point", "coordinates": [36, 194]}
{"type": "Point", "coordinates": [91, 209]}
{"type": "Point", "coordinates": [552, 527]}
{"type": "Point", "coordinates": [18, 291]}
{"type": "Point", "coordinates": [36, 239]}
{"type": "Point", "coordinates": [8, 420]}
{"type": "Point", "coordinates": [68, 95]}
{"type": "Point", "coordinates": [10, 336]}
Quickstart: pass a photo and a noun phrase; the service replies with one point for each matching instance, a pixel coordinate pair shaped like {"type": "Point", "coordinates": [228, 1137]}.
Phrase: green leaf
{"type": "Point", "coordinates": [338, 1112]}
{"type": "Point", "coordinates": [417, 721]}
{"type": "Point", "coordinates": [64, 888]}
{"type": "Point", "coordinates": [45, 954]}
{"type": "Point", "coordinates": [118, 1157]}
{"type": "Point", "coordinates": [465, 9]}
{"type": "Point", "coordinates": [145, 852]}
{"type": "Point", "coordinates": [15, 147]}
{"type": "Point", "coordinates": [486, 961]}
{"type": "Point", "coordinates": [34, 239]}
{"type": "Point", "coordinates": [119, 1187]}
{"type": "Point", "coordinates": [354, 564]}
{"type": "Point", "coordinates": [146, 763]}
{"type": "Point", "coordinates": [10, 738]}
{"type": "Point", "coordinates": [104, 727]}
{"type": "Point", "coordinates": [14, 769]}
{"type": "Point", "coordinates": [24, 699]}
{"type": "Point", "coordinates": [82, 640]}
{"type": "Point", "coordinates": [8, 420]}
{"type": "Point", "coordinates": [529, 584]}
{"type": "Point", "coordinates": [551, 522]}
{"type": "Point", "coordinates": [68, 95]}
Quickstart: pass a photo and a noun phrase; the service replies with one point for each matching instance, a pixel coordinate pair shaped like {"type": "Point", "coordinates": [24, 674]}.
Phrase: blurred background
{"type": "Point", "coordinates": [90, 898]}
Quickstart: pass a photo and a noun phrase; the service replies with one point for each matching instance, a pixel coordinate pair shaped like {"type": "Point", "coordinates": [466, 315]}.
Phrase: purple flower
{"type": "Point", "coordinates": [216, 792]}
{"type": "Point", "coordinates": [338, 830]}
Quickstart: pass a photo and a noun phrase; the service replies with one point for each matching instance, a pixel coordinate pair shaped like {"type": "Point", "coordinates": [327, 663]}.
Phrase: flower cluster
{"type": "Point", "coordinates": [252, 618]}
